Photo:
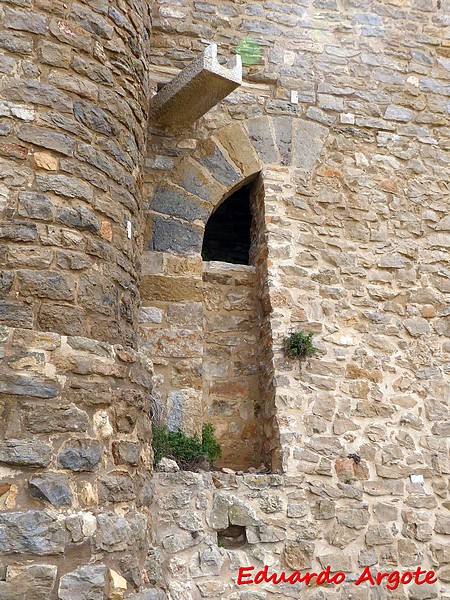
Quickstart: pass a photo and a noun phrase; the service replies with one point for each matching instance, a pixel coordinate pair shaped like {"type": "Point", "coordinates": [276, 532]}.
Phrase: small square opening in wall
{"type": "Point", "coordinates": [234, 536]}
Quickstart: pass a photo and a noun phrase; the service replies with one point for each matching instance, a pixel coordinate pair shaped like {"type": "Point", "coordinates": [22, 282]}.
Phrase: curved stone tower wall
{"type": "Point", "coordinates": [75, 448]}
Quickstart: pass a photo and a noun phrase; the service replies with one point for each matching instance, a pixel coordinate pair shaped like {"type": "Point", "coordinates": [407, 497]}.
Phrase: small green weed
{"type": "Point", "coordinates": [186, 450]}
{"type": "Point", "coordinates": [299, 345]}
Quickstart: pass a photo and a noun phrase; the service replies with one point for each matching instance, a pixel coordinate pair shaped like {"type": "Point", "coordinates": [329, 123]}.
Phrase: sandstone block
{"type": "Point", "coordinates": [46, 284]}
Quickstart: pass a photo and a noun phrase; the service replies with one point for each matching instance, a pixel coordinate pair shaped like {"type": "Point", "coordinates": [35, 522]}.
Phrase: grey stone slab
{"type": "Point", "coordinates": [263, 141]}
{"type": "Point", "coordinates": [33, 532]}
{"type": "Point", "coordinates": [308, 143]}
{"type": "Point", "coordinates": [80, 455]}
{"type": "Point", "coordinates": [86, 583]}
{"type": "Point", "coordinates": [196, 89]}
{"type": "Point", "coordinates": [174, 236]}
{"type": "Point", "coordinates": [21, 385]}
{"type": "Point", "coordinates": [171, 202]}
{"type": "Point", "coordinates": [219, 167]}
{"type": "Point", "coordinates": [53, 487]}
{"type": "Point", "coordinates": [283, 136]}
{"type": "Point", "coordinates": [25, 453]}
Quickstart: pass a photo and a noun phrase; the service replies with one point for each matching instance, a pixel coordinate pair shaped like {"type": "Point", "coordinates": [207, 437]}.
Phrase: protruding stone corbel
{"type": "Point", "coordinates": [196, 89]}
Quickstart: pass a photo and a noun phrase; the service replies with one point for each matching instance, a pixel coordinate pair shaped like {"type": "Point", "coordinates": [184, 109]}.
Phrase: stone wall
{"type": "Point", "coordinates": [348, 114]}
{"type": "Point", "coordinates": [76, 465]}
{"type": "Point", "coordinates": [231, 362]}
{"type": "Point", "coordinates": [74, 103]}
{"type": "Point", "coordinates": [75, 442]}
{"type": "Point", "coordinates": [290, 524]}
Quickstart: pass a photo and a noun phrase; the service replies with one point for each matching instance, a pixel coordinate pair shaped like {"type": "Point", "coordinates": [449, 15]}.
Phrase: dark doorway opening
{"type": "Point", "coordinates": [227, 232]}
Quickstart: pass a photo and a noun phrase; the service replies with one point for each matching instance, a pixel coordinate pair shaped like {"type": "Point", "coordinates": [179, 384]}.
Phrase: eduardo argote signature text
{"type": "Point", "coordinates": [392, 579]}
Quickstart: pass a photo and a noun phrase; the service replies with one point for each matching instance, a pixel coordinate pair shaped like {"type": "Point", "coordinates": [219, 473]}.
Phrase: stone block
{"type": "Point", "coordinates": [47, 138]}
{"type": "Point", "coordinates": [237, 144]}
{"type": "Point", "coordinates": [116, 487]}
{"type": "Point", "coordinates": [78, 217]}
{"type": "Point", "coordinates": [96, 119]}
{"type": "Point", "coordinates": [15, 314]}
{"type": "Point", "coordinates": [33, 532]}
{"type": "Point", "coordinates": [196, 180]}
{"type": "Point", "coordinates": [283, 137]}
{"type": "Point", "coordinates": [170, 289]}
{"type": "Point", "coordinates": [35, 206]}
{"type": "Point", "coordinates": [25, 453]}
{"type": "Point", "coordinates": [80, 455]}
{"type": "Point", "coordinates": [18, 232]}
{"type": "Point", "coordinates": [46, 284]}
{"type": "Point", "coordinates": [262, 138]}
{"type": "Point", "coordinates": [309, 139]}
{"type": "Point", "coordinates": [170, 235]}
{"type": "Point", "coordinates": [175, 202]}
{"type": "Point", "coordinates": [22, 385]}
{"type": "Point", "coordinates": [298, 555]}
{"type": "Point", "coordinates": [63, 318]}
{"type": "Point", "coordinates": [212, 157]}
{"type": "Point", "coordinates": [38, 579]}
{"type": "Point", "coordinates": [35, 92]}
{"type": "Point", "coordinates": [86, 583]}
{"type": "Point", "coordinates": [53, 487]}
{"type": "Point", "coordinates": [23, 20]}
{"type": "Point", "coordinates": [64, 186]}
{"type": "Point", "coordinates": [196, 89]}
{"type": "Point", "coordinates": [113, 533]}
{"type": "Point", "coordinates": [126, 453]}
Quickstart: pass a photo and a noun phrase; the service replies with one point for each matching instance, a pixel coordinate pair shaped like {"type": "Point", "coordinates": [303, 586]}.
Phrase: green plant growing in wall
{"type": "Point", "coordinates": [188, 451]}
{"type": "Point", "coordinates": [299, 345]}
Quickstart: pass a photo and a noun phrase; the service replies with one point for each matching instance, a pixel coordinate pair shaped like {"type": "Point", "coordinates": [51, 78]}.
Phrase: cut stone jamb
{"type": "Point", "coordinates": [196, 89]}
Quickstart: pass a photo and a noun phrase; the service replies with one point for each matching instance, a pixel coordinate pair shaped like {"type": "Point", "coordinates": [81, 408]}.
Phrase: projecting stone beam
{"type": "Point", "coordinates": [196, 89]}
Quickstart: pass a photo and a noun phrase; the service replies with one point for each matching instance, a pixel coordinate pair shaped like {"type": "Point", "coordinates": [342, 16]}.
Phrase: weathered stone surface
{"type": "Point", "coordinates": [261, 136]}
{"type": "Point", "coordinates": [38, 579]}
{"type": "Point", "coordinates": [53, 487]}
{"type": "Point", "coordinates": [116, 487]}
{"type": "Point", "coordinates": [64, 186]}
{"type": "Point", "coordinates": [33, 532]}
{"type": "Point", "coordinates": [80, 455]}
{"type": "Point", "coordinates": [47, 138]}
{"type": "Point", "coordinates": [49, 284]}
{"type": "Point", "coordinates": [46, 418]}
{"type": "Point", "coordinates": [35, 206]}
{"type": "Point", "coordinates": [25, 453]}
{"type": "Point", "coordinates": [86, 583]}
{"type": "Point", "coordinates": [169, 201]}
{"type": "Point", "coordinates": [113, 533]}
{"type": "Point", "coordinates": [175, 236]}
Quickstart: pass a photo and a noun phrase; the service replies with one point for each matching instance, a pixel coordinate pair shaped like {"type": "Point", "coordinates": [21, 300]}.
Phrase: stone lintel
{"type": "Point", "coordinates": [196, 89]}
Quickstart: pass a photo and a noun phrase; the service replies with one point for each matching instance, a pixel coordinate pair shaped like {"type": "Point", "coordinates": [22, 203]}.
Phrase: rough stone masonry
{"type": "Point", "coordinates": [107, 308]}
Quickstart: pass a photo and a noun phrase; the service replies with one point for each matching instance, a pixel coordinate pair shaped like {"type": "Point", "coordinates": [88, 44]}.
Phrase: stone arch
{"type": "Point", "coordinates": [256, 150]}
{"type": "Point", "coordinates": [232, 156]}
